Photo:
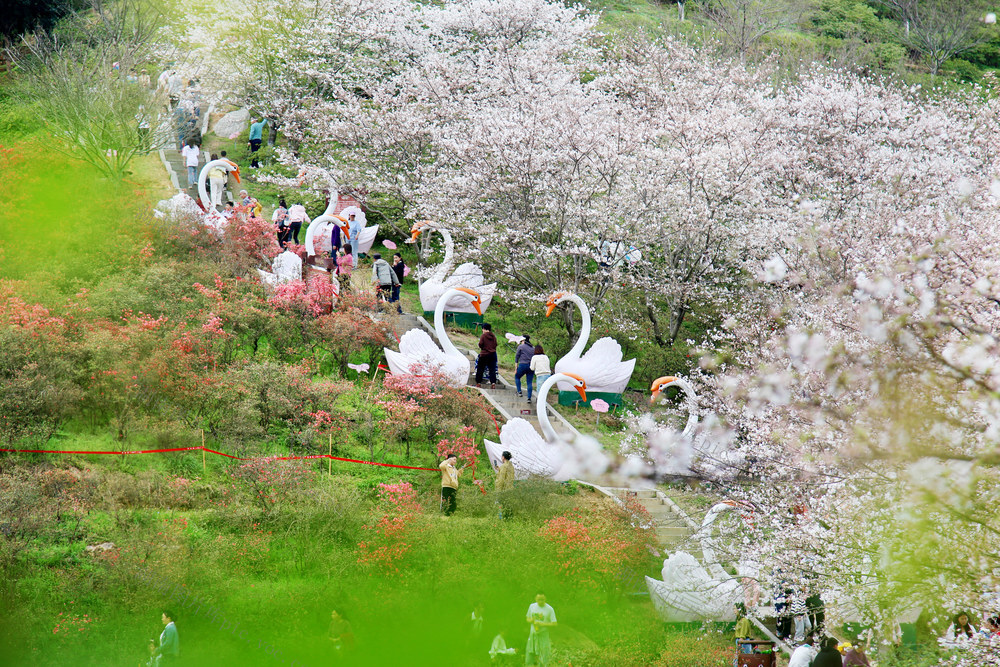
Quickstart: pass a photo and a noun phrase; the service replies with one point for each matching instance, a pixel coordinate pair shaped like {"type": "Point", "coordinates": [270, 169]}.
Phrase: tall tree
{"type": "Point", "coordinates": [79, 78]}
{"type": "Point", "coordinates": [743, 23]}
{"type": "Point", "coordinates": [940, 29]}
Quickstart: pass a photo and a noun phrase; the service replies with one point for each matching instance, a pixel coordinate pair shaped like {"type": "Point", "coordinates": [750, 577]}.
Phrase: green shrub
{"type": "Point", "coordinates": [963, 70]}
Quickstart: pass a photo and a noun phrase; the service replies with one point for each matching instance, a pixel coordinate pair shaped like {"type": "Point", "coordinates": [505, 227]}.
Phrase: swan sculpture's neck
{"type": "Point", "coordinates": [334, 198]}
{"type": "Point", "coordinates": [442, 335]}
{"type": "Point", "coordinates": [690, 399]}
{"type": "Point", "coordinates": [543, 416]}
{"type": "Point", "coordinates": [444, 268]}
{"type": "Point", "coordinates": [206, 201]}
{"type": "Point", "coordinates": [584, 337]}
{"type": "Point", "coordinates": [707, 540]}
{"type": "Point", "coordinates": [315, 226]}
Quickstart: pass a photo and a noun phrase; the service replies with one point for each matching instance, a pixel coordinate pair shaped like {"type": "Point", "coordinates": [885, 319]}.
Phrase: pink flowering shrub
{"type": "Point", "coordinates": [248, 550]}
{"type": "Point", "coordinates": [463, 446]}
{"type": "Point", "coordinates": [310, 297]}
{"type": "Point", "coordinates": [595, 546]}
{"type": "Point", "coordinates": [270, 481]}
{"type": "Point", "coordinates": [71, 626]}
{"type": "Point", "coordinates": [390, 536]}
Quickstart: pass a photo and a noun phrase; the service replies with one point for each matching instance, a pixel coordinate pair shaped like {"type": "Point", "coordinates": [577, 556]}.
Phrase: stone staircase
{"type": "Point", "coordinates": [171, 157]}
{"type": "Point", "coordinates": [674, 528]}
{"type": "Point", "coordinates": [503, 398]}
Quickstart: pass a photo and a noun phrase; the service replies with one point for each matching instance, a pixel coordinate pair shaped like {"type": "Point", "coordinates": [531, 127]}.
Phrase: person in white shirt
{"type": "Point", "coordinates": [499, 648]}
{"type": "Point", "coordinates": [541, 367]}
{"type": "Point", "coordinates": [541, 616]}
{"type": "Point", "coordinates": [803, 655]}
{"type": "Point", "coordinates": [297, 216]}
{"type": "Point", "coordinates": [190, 153]}
{"type": "Point", "coordinates": [217, 182]}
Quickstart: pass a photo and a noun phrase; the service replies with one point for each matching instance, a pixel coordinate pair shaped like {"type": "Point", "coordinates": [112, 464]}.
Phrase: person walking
{"type": "Point", "coordinates": [190, 155]}
{"type": "Point", "coordinates": [169, 650]}
{"type": "Point", "coordinates": [217, 182]}
{"type": "Point", "coordinates": [540, 366]}
{"type": "Point", "coordinates": [345, 264]}
{"type": "Point", "coordinates": [522, 362]}
{"type": "Point", "coordinates": [541, 616]}
{"type": "Point", "coordinates": [297, 216]}
{"type": "Point", "coordinates": [384, 277]}
{"type": "Point", "coordinates": [400, 269]}
{"type": "Point", "coordinates": [505, 474]}
{"type": "Point", "coordinates": [354, 228]}
{"type": "Point", "coordinates": [280, 218]}
{"type": "Point", "coordinates": [487, 357]}
{"type": "Point", "coordinates": [800, 618]}
{"type": "Point", "coordinates": [256, 138]}
{"type": "Point", "coordinates": [449, 484]}
{"type": "Point", "coordinates": [335, 241]}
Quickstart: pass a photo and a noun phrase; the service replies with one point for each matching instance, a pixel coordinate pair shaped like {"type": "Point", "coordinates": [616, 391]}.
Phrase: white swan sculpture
{"type": "Point", "coordinates": [213, 218]}
{"type": "Point", "coordinates": [366, 239]}
{"type": "Point", "coordinates": [320, 225]}
{"type": "Point", "coordinates": [418, 354]}
{"type": "Point", "coordinates": [318, 233]}
{"type": "Point", "coordinates": [466, 275]}
{"type": "Point", "coordinates": [602, 364]}
{"type": "Point", "coordinates": [692, 450]}
{"type": "Point", "coordinates": [691, 591]}
{"type": "Point", "coordinates": [534, 454]}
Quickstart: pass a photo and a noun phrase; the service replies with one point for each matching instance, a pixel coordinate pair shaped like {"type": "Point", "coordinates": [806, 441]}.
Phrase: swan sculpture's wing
{"type": "Point", "coordinates": [287, 266]}
{"type": "Point", "coordinates": [367, 238]}
{"type": "Point", "coordinates": [417, 350]}
{"type": "Point", "coordinates": [602, 365]}
{"type": "Point", "coordinates": [466, 275]}
{"type": "Point", "coordinates": [494, 452]}
{"type": "Point", "coordinates": [419, 355]}
{"type": "Point", "coordinates": [688, 593]}
{"type": "Point", "coordinates": [530, 453]}
{"type": "Point", "coordinates": [267, 278]}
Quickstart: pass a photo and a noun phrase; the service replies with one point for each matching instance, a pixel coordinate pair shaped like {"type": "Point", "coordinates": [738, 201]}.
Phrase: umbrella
{"type": "Point", "coordinates": [389, 244]}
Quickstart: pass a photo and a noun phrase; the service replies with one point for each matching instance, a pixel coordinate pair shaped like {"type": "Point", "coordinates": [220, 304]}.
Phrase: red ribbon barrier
{"type": "Point", "coordinates": [212, 451]}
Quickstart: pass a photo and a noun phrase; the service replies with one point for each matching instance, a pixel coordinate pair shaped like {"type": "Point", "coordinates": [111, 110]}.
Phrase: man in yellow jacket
{"type": "Point", "coordinates": [449, 484]}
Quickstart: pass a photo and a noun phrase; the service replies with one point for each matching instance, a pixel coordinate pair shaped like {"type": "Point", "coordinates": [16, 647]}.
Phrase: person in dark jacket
{"type": "Point", "coordinates": [487, 357]}
{"type": "Point", "coordinates": [828, 656]}
{"type": "Point", "coordinates": [400, 268]}
{"type": "Point", "coordinates": [817, 611]}
{"type": "Point", "coordinates": [384, 277]}
{"type": "Point", "coordinates": [522, 361]}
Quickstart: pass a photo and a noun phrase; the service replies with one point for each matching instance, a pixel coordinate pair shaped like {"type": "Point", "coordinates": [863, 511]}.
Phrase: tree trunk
{"type": "Point", "coordinates": [680, 9]}
{"type": "Point", "coordinates": [272, 132]}
{"type": "Point", "coordinates": [569, 324]}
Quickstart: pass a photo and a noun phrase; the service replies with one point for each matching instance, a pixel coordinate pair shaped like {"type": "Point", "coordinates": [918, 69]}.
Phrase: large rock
{"type": "Point", "coordinates": [232, 123]}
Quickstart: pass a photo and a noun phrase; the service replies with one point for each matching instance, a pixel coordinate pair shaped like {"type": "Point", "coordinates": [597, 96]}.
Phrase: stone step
{"type": "Point", "coordinates": [671, 534]}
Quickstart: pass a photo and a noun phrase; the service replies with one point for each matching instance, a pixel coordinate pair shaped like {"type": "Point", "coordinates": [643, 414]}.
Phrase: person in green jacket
{"type": "Point", "coordinates": [505, 474]}
{"type": "Point", "coordinates": [169, 650]}
{"type": "Point", "coordinates": [256, 138]}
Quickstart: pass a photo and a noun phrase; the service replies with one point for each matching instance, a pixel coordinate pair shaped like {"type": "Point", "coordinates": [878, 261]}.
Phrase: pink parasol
{"type": "Point", "coordinates": [389, 244]}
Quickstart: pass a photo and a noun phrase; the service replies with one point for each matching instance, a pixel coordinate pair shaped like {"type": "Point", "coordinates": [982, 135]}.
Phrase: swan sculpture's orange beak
{"type": "Point", "coordinates": [552, 302]}
{"type": "Point", "coordinates": [417, 229]}
{"type": "Point", "coordinates": [477, 302]}
{"type": "Point", "coordinates": [658, 386]}
{"type": "Point", "coordinates": [580, 388]}
{"type": "Point", "coordinates": [235, 170]}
